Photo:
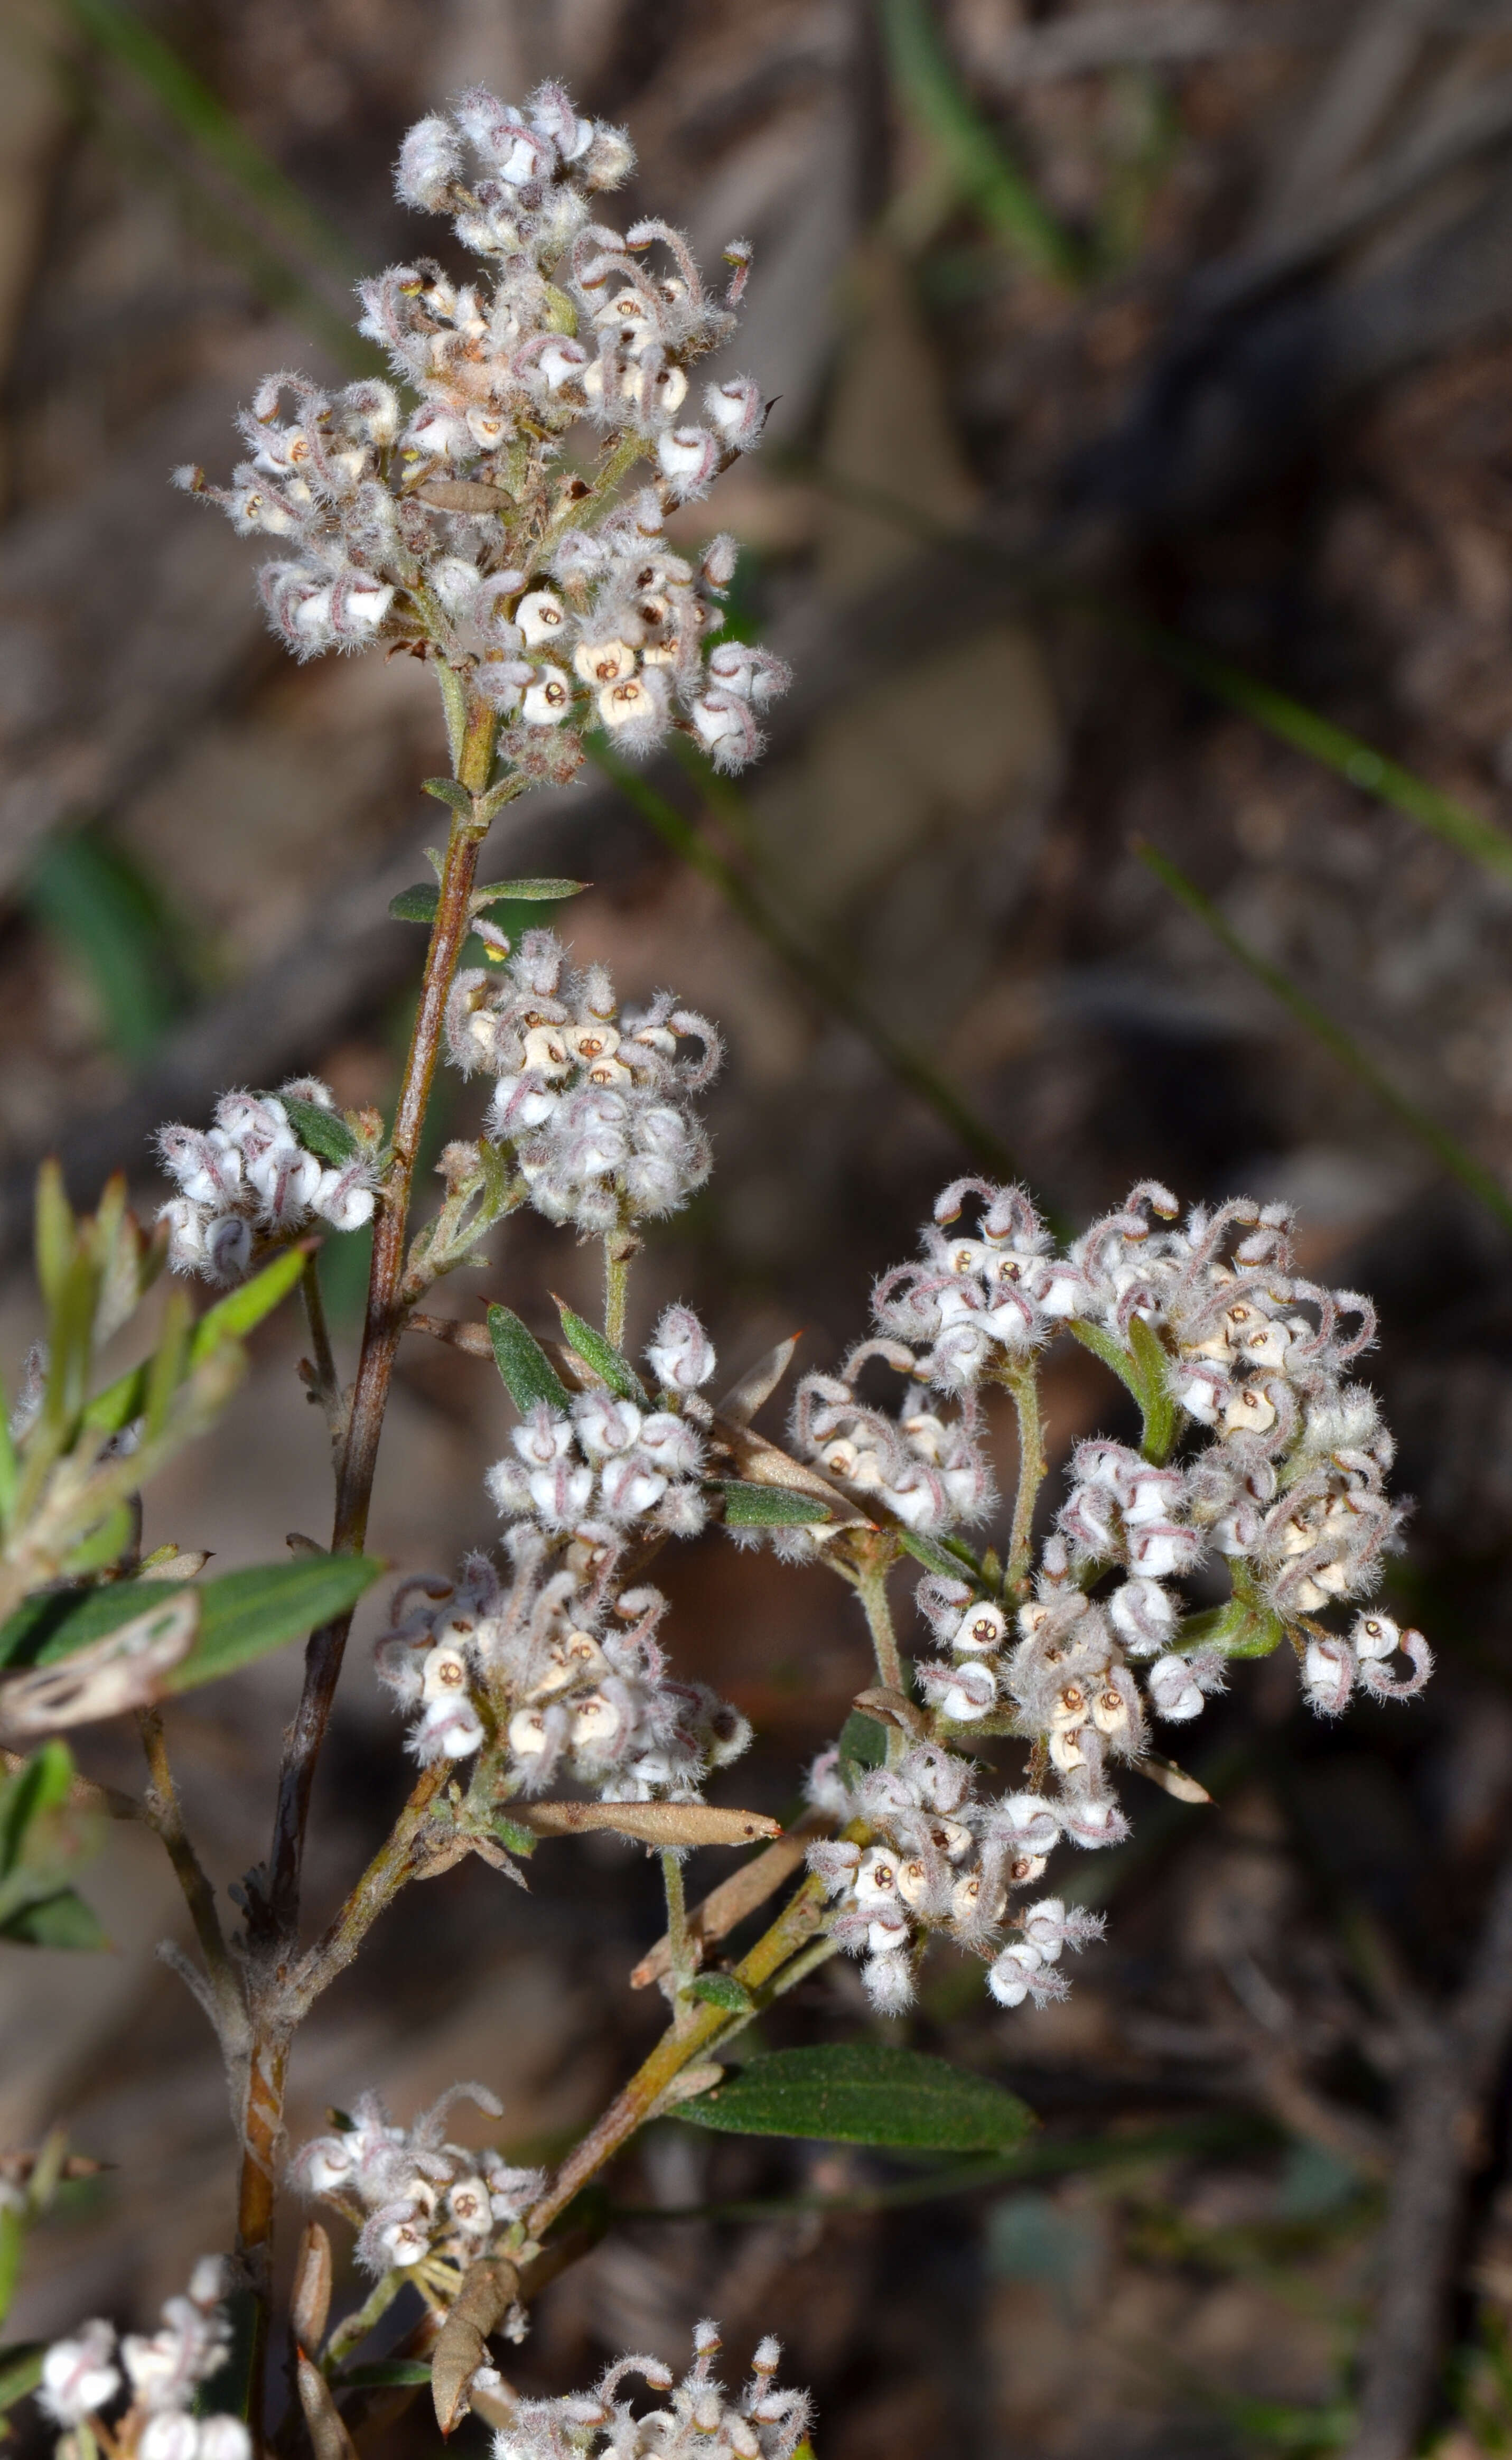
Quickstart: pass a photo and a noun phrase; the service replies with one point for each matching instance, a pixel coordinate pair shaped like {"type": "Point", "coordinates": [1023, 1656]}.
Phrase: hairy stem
{"type": "Point", "coordinates": [683, 1953]}
{"type": "Point", "coordinates": [871, 1589]}
{"type": "Point", "coordinates": [166, 1820]}
{"type": "Point", "coordinates": [1023, 1385]}
{"type": "Point", "coordinates": [394, 1865]}
{"type": "Point", "coordinates": [274, 1920]}
{"type": "Point", "coordinates": [678, 2047]}
{"type": "Point", "coordinates": [380, 1334]}
{"type": "Point", "coordinates": [617, 1253]}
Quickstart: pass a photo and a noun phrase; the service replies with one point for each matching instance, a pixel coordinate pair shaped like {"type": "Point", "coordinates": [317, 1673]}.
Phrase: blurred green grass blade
{"type": "Point", "coordinates": [1333, 746]}
{"type": "Point", "coordinates": [119, 33]}
{"type": "Point", "coordinates": [813, 969]}
{"type": "Point", "coordinates": [983, 171]}
{"type": "Point", "coordinates": [95, 902]}
{"type": "Point", "coordinates": [1445, 1149]}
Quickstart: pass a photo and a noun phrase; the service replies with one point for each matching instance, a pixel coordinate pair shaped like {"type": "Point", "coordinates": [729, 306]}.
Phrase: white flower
{"type": "Point", "coordinates": [78, 2377]}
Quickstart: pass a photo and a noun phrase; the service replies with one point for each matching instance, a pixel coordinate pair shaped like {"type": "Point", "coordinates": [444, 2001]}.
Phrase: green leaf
{"type": "Point", "coordinates": [20, 2370]}
{"type": "Point", "coordinates": [723, 1990]}
{"type": "Point", "coordinates": [520, 1840]}
{"type": "Point", "coordinates": [97, 904]}
{"type": "Point", "coordinates": [952, 1560]}
{"type": "Point", "coordinates": [12, 2239]}
{"type": "Point", "coordinates": [448, 790]}
{"type": "Point", "coordinates": [55, 1233]}
{"type": "Point", "coordinates": [419, 905]}
{"type": "Point", "coordinates": [324, 1131]}
{"type": "Point", "coordinates": [607, 1363]}
{"type": "Point", "coordinates": [243, 1615]}
{"type": "Point", "coordinates": [38, 1787]}
{"type": "Point", "coordinates": [230, 1319]}
{"type": "Point", "coordinates": [528, 1373]}
{"type": "Point", "coordinates": [386, 2374]}
{"type": "Point", "coordinates": [60, 1920]}
{"type": "Point", "coordinates": [768, 1506]}
{"type": "Point", "coordinates": [863, 1745]}
{"type": "Point", "coordinates": [861, 2092]}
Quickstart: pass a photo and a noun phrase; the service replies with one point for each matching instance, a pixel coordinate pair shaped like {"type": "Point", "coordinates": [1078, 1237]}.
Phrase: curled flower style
{"type": "Point", "coordinates": [700, 2420]}
{"type": "Point", "coordinates": [596, 1105]}
{"type": "Point", "coordinates": [1258, 1453]}
{"type": "Point", "coordinates": [433, 512]}
{"type": "Point", "coordinates": [925, 1468]}
{"type": "Point", "coordinates": [253, 1181]}
{"type": "Point", "coordinates": [84, 2374]}
{"type": "Point", "coordinates": [942, 1859]}
{"type": "Point", "coordinates": [419, 2202]}
{"type": "Point", "coordinates": [559, 1671]}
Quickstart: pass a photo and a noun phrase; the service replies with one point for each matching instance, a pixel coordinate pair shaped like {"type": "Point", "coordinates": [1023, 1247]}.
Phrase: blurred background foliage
{"type": "Point", "coordinates": [1136, 512]}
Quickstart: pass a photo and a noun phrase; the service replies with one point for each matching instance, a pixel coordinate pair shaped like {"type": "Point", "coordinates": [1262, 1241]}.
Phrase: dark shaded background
{"type": "Point", "coordinates": [1272, 412]}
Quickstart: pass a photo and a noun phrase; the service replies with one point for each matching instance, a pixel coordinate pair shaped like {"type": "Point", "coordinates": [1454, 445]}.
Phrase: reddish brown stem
{"type": "Point", "coordinates": [273, 1919]}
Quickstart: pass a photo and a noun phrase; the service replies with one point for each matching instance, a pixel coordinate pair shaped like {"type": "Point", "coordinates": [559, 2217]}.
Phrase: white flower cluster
{"type": "Point", "coordinates": [437, 512]}
{"type": "Point", "coordinates": [414, 2198]}
{"type": "Point", "coordinates": [1260, 1451]}
{"type": "Point", "coordinates": [598, 1106]}
{"type": "Point", "coordinates": [250, 1182]}
{"type": "Point", "coordinates": [943, 1861]}
{"type": "Point", "coordinates": [701, 2421]}
{"type": "Point", "coordinates": [564, 1677]}
{"type": "Point", "coordinates": [928, 1470]}
{"type": "Point", "coordinates": [165, 2369]}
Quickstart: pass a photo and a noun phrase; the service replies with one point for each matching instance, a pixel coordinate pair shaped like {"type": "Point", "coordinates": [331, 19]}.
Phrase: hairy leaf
{"type": "Point", "coordinates": [419, 905]}
{"type": "Point", "coordinates": [863, 2092]}
{"type": "Point", "coordinates": [325, 1132]}
{"type": "Point", "coordinates": [385, 2375]}
{"type": "Point", "coordinates": [748, 1506]}
{"type": "Point", "coordinates": [863, 1746]}
{"type": "Point", "coordinates": [448, 790]}
{"type": "Point", "coordinates": [952, 1561]}
{"type": "Point", "coordinates": [723, 1990]}
{"type": "Point", "coordinates": [607, 1363]}
{"type": "Point", "coordinates": [528, 1373]}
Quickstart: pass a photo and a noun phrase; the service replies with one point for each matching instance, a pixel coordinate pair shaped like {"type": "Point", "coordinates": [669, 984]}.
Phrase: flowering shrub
{"type": "Point", "coordinates": [445, 515]}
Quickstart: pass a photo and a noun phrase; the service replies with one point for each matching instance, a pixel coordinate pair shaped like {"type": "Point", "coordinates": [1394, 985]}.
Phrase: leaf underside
{"type": "Point", "coordinates": [859, 2092]}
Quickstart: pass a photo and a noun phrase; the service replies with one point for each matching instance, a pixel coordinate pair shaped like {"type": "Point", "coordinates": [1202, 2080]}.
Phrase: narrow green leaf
{"type": "Point", "coordinates": [61, 1921]}
{"type": "Point", "coordinates": [448, 790]}
{"type": "Point", "coordinates": [38, 1787]}
{"type": "Point", "coordinates": [55, 1233]}
{"type": "Point", "coordinates": [115, 925]}
{"type": "Point", "coordinates": [723, 1990]}
{"type": "Point", "coordinates": [858, 2092]}
{"type": "Point", "coordinates": [1445, 1149]}
{"type": "Point", "coordinates": [526, 892]}
{"type": "Point", "coordinates": [520, 1840]}
{"type": "Point", "coordinates": [9, 1465]}
{"type": "Point", "coordinates": [415, 904]}
{"type": "Point", "coordinates": [952, 1561]}
{"type": "Point", "coordinates": [228, 1320]}
{"type": "Point", "coordinates": [169, 1363]}
{"type": "Point", "coordinates": [12, 2239]}
{"type": "Point", "coordinates": [20, 2370]}
{"type": "Point", "coordinates": [863, 1745]}
{"type": "Point", "coordinates": [325, 1132]}
{"type": "Point", "coordinates": [243, 1615]}
{"type": "Point", "coordinates": [419, 905]}
{"type": "Point", "coordinates": [385, 2374]}
{"type": "Point", "coordinates": [611, 1367]}
{"type": "Point", "coordinates": [748, 1506]}
{"type": "Point", "coordinates": [983, 170]}
{"type": "Point", "coordinates": [528, 1373]}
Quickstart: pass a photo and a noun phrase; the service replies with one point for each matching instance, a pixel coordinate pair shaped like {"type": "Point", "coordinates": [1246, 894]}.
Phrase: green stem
{"type": "Point", "coordinates": [871, 1589]}
{"type": "Point", "coordinates": [354, 2331]}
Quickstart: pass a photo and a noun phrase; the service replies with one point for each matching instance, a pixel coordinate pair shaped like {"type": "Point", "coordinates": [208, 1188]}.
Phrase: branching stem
{"type": "Point", "coordinates": [871, 1589]}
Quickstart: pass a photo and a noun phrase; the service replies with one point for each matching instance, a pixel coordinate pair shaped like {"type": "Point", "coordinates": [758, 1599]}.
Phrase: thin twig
{"type": "Point", "coordinates": [165, 1817]}
{"type": "Point", "coordinates": [1023, 1384]}
{"type": "Point", "coordinates": [1451, 2068]}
